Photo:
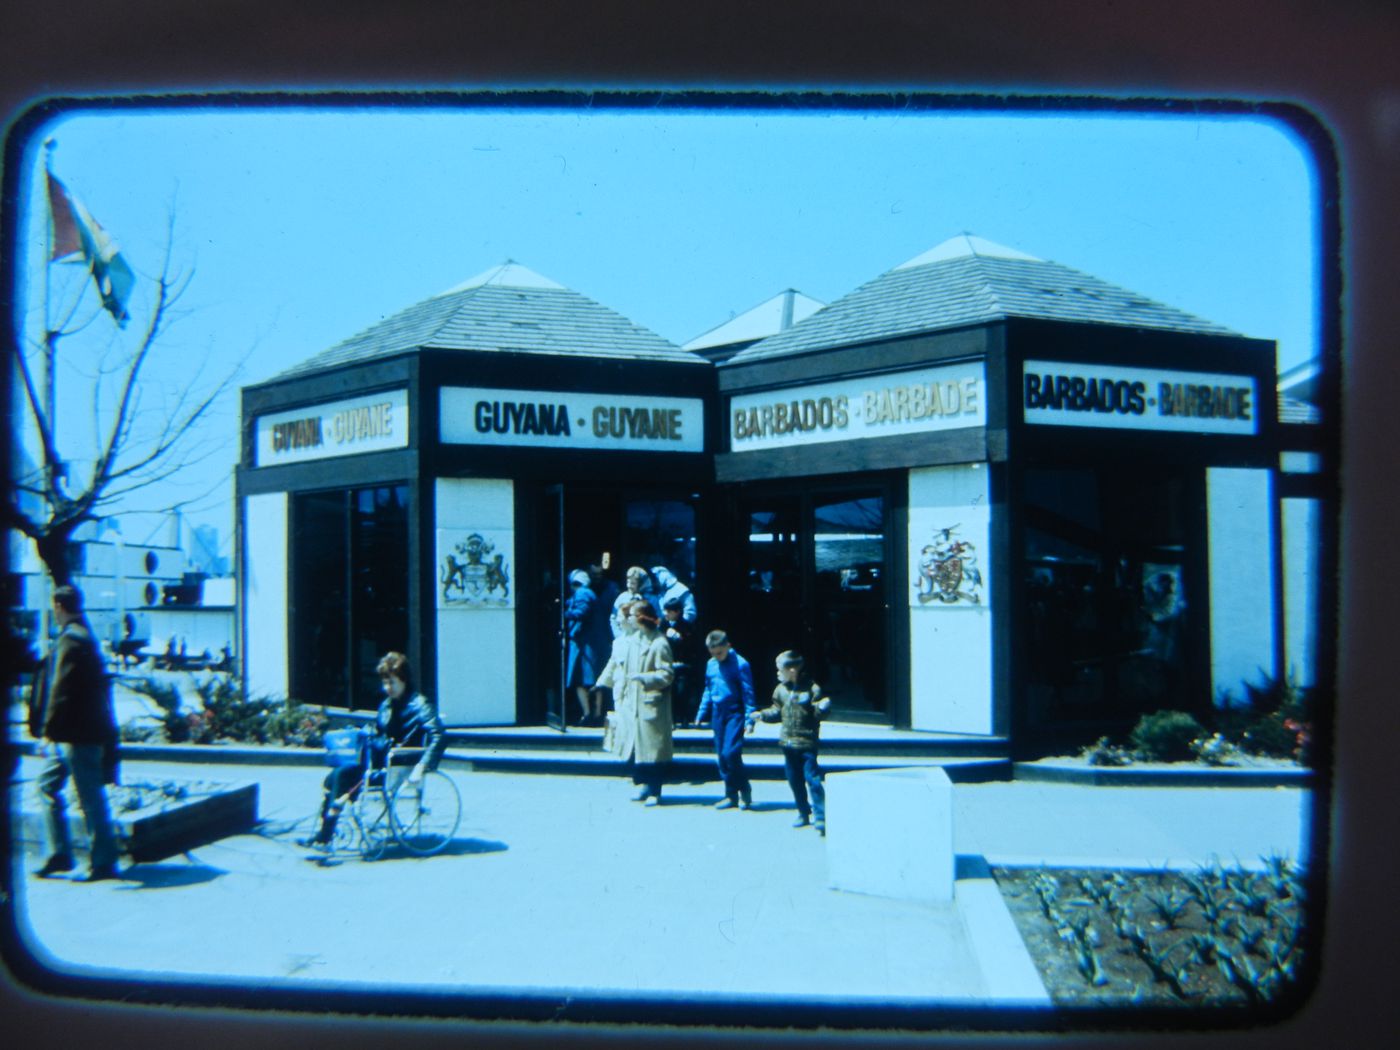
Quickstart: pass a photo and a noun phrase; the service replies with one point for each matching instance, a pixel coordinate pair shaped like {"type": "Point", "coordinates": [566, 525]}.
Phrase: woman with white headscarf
{"type": "Point", "coordinates": [640, 675]}
{"type": "Point", "coordinates": [672, 588]}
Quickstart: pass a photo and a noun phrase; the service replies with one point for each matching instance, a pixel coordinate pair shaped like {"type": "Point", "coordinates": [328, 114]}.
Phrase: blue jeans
{"type": "Point", "coordinates": [729, 752]}
{"type": "Point", "coordinates": [804, 776]}
{"type": "Point", "coordinates": [83, 762]}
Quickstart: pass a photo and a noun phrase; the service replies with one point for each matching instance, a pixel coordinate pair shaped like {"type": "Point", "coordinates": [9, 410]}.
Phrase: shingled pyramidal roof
{"type": "Point", "coordinates": [968, 281]}
{"type": "Point", "coordinates": [507, 309]}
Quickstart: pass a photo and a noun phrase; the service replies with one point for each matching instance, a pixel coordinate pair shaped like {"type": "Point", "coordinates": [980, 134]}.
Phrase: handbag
{"type": "Point", "coordinates": [609, 730]}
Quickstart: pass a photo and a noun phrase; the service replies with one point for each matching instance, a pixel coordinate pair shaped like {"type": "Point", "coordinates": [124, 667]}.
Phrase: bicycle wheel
{"type": "Point", "coordinates": [426, 814]}
{"type": "Point", "coordinates": [373, 816]}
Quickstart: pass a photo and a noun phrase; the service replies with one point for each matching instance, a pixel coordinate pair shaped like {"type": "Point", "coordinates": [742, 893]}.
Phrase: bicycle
{"type": "Point", "coordinates": [421, 817]}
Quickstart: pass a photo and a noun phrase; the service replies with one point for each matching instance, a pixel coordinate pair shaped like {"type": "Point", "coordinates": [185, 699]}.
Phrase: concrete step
{"type": "Point", "coordinates": [700, 768]}
{"type": "Point", "coordinates": [845, 747]}
{"type": "Point", "coordinates": [843, 739]}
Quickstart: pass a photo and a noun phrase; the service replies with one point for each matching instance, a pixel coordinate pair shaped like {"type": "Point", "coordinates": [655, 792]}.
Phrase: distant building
{"type": "Point", "coordinates": [141, 597]}
{"type": "Point", "coordinates": [769, 317]}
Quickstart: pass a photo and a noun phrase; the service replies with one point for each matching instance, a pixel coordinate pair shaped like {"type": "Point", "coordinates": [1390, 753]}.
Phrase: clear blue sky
{"type": "Point", "coordinates": [303, 227]}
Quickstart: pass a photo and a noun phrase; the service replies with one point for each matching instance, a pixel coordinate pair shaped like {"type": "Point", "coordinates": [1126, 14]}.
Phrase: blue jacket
{"type": "Point", "coordinates": [727, 685]}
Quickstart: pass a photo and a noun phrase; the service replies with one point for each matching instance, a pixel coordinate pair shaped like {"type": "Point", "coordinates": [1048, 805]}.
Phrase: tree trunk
{"type": "Point", "coordinates": [54, 549]}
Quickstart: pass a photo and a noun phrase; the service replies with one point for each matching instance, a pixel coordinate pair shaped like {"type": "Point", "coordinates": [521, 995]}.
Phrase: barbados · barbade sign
{"type": "Point", "coordinates": [566, 419]}
{"type": "Point", "coordinates": [1058, 393]}
{"type": "Point", "coordinates": [945, 397]}
{"type": "Point", "coordinates": [340, 428]}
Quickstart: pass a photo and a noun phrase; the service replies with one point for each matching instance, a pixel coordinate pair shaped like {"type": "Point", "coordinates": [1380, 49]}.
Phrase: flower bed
{"type": "Point", "coordinates": [1216, 938]}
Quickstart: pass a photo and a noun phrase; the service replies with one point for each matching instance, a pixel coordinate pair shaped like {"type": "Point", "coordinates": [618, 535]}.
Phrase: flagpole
{"type": "Point", "coordinates": [50, 385]}
{"type": "Point", "coordinates": [50, 337]}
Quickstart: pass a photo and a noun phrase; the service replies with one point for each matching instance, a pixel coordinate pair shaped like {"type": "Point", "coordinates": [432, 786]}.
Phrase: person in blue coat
{"type": "Point", "coordinates": [729, 703]}
{"type": "Point", "coordinates": [590, 641]}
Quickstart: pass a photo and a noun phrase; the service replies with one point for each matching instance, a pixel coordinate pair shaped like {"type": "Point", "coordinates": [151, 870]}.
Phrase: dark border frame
{"type": "Point", "coordinates": [1311, 132]}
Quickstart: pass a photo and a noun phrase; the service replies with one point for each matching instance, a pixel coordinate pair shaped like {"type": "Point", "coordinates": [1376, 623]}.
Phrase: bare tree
{"type": "Point", "coordinates": [134, 448]}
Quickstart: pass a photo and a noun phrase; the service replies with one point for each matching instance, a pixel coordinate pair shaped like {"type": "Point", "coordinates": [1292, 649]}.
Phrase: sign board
{"type": "Point", "coordinates": [1120, 397]}
{"type": "Point", "coordinates": [567, 419]}
{"type": "Point", "coordinates": [947, 397]}
{"type": "Point", "coordinates": [371, 423]}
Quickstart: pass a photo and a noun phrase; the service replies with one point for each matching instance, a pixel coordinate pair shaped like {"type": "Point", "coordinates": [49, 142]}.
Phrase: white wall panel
{"type": "Point", "coordinates": [950, 642]}
{"type": "Point", "coordinates": [476, 644]}
{"type": "Point", "coordinates": [1300, 521]}
{"type": "Point", "coordinates": [1242, 594]}
{"type": "Point", "coordinates": [265, 593]}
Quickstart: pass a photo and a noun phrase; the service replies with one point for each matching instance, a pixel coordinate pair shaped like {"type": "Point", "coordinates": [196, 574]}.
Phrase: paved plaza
{"type": "Point", "coordinates": [559, 885]}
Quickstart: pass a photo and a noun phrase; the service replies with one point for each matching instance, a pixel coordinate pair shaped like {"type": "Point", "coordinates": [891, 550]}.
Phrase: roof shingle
{"type": "Point", "coordinates": [506, 310]}
{"type": "Point", "coordinates": [968, 281]}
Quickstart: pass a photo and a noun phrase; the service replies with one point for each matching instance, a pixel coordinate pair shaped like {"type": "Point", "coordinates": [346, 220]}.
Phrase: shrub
{"type": "Point", "coordinates": [1103, 752]}
{"type": "Point", "coordinates": [1274, 721]}
{"type": "Point", "coordinates": [1165, 736]}
{"type": "Point", "coordinates": [140, 731]}
{"type": "Point", "coordinates": [166, 697]}
{"type": "Point", "coordinates": [225, 714]}
{"type": "Point", "coordinates": [228, 714]}
{"type": "Point", "coordinates": [297, 724]}
{"type": "Point", "coordinates": [1215, 750]}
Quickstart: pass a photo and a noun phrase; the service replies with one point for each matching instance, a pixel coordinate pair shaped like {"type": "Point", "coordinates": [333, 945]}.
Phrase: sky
{"type": "Point", "coordinates": [301, 226]}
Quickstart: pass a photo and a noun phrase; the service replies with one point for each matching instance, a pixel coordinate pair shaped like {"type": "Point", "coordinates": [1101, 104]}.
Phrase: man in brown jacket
{"type": "Point", "coordinates": [72, 712]}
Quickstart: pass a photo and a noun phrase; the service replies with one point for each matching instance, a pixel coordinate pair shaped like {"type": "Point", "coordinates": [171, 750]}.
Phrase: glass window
{"type": "Point", "coordinates": [1106, 594]}
{"type": "Point", "coordinates": [774, 555]}
{"type": "Point", "coordinates": [350, 591]}
{"type": "Point", "coordinates": [662, 532]}
{"type": "Point", "coordinates": [848, 548]}
{"type": "Point", "coordinates": [379, 582]}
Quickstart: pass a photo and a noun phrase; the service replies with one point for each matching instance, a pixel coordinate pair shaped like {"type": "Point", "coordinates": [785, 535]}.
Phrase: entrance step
{"type": "Point", "coordinates": [845, 747]}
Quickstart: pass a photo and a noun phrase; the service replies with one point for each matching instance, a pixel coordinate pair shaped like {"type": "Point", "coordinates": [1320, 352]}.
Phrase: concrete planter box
{"type": "Point", "coordinates": [165, 817]}
{"type": "Point", "coordinates": [206, 813]}
{"type": "Point", "coordinates": [889, 832]}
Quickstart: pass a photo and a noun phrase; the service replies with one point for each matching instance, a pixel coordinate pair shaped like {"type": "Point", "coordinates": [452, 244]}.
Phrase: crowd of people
{"type": "Point", "coordinates": [653, 676]}
{"type": "Point", "coordinates": [633, 651]}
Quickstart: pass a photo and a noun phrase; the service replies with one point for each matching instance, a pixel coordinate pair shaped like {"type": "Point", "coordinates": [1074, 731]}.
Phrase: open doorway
{"type": "Point", "coordinates": [605, 531]}
{"type": "Point", "coordinates": [817, 571]}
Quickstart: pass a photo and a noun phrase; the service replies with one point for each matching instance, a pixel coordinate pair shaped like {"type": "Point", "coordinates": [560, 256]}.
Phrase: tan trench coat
{"type": "Point", "coordinates": [642, 717]}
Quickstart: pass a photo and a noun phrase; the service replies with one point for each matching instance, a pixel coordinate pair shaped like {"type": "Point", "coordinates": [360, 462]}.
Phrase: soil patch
{"type": "Point", "coordinates": [1219, 936]}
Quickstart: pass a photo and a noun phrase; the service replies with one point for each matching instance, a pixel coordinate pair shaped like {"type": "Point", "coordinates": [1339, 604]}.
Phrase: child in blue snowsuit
{"type": "Point", "coordinates": [729, 697]}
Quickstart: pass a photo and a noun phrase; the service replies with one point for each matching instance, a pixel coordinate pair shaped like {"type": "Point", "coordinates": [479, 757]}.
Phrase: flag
{"type": "Point", "coordinates": [77, 237]}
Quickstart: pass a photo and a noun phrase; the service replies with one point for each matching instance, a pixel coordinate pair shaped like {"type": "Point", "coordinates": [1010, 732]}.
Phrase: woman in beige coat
{"type": "Point", "coordinates": [639, 674]}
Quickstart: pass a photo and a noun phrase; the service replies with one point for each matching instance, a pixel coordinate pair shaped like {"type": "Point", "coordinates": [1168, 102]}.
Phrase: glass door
{"type": "Point", "coordinates": [349, 591]}
{"type": "Point", "coordinates": [816, 578]}
{"type": "Point", "coordinates": [552, 612]}
{"type": "Point", "coordinates": [848, 602]}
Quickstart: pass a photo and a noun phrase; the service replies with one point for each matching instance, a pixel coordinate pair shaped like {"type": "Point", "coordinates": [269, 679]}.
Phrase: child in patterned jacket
{"type": "Point", "coordinates": [799, 704]}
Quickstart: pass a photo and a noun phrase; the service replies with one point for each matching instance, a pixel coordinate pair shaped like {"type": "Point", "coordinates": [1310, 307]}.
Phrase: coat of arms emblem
{"type": "Point", "coordinates": [948, 570]}
{"type": "Point", "coordinates": [472, 573]}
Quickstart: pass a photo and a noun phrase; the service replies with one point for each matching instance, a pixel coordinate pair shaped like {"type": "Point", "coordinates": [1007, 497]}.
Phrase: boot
{"type": "Point", "coordinates": [55, 865]}
{"type": "Point", "coordinates": [324, 831]}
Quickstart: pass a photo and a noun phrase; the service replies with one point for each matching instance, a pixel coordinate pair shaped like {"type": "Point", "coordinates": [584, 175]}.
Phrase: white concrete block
{"type": "Point", "coordinates": [889, 832]}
